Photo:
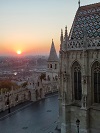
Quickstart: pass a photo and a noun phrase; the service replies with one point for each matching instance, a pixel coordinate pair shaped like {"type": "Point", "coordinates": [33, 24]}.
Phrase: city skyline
{"type": "Point", "coordinates": [31, 25]}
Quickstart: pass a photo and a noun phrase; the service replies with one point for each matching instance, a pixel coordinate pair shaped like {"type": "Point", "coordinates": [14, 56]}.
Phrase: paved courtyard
{"type": "Point", "coordinates": [38, 117]}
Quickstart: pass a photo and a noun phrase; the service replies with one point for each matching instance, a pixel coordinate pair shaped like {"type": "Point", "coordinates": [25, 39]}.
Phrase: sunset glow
{"type": "Point", "coordinates": [19, 52]}
{"type": "Point", "coordinates": [31, 26]}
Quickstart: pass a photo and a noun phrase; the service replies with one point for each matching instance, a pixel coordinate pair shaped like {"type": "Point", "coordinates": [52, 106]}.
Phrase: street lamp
{"type": "Point", "coordinates": [77, 123]}
{"type": "Point", "coordinates": [8, 102]}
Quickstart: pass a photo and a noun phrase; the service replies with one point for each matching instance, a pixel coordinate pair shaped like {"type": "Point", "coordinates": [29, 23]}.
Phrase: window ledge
{"type": "Point", "coordinates": [76, 103]}
{"type": "Point", "coordinates": [95, 106]}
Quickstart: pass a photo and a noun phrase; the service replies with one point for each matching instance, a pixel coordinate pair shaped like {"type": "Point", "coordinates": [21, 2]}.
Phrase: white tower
{"type": "Point", "coordinates": [52, 64]}
{"type": "Point", "coordinates": [52, 71]}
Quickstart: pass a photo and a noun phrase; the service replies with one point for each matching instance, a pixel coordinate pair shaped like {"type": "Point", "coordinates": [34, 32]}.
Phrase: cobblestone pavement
{"type": "Point", "coordinates": [29, 117]}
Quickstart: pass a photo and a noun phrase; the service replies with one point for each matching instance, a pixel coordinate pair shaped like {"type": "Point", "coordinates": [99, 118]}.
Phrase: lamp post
{"type": "Point", "coordinates": [77, 123]}
{"type": "Point", "coordinates": [8, 102]}
{"type": "Point", "coordinates": [16, 99]}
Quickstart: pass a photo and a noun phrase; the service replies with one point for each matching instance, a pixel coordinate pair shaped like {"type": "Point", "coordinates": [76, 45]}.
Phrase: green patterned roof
{"type": "Point", "coordinates": [87, 19]}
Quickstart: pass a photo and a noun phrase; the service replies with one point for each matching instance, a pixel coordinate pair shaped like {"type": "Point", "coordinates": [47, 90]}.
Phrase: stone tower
{"type": "Point", "coordinates": [80, 73]}
{"type": "Point", "coordinates": [52, 68]}
{"type": "Point", "coordinates": [52, 64]}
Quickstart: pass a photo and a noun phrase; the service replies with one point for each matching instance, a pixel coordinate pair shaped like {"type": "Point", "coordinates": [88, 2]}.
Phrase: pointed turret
{"type": "Point", "coordinates": [65, 41]}
{"type": "Point", "coordinates": [66, 34]}
{"type": "Point", "coordinates": [61, 37]}
{"type": "Point", "coordinates": [52, 64]}
{"type": "Point", "coordinates": [53, 54]}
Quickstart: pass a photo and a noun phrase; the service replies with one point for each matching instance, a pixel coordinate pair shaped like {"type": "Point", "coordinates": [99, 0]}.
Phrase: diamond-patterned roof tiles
{"type": "Point", "coordinates": [87, 19]}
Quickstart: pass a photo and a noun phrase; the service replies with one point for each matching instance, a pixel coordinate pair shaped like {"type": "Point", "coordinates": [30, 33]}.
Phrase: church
{"type": "Point", "coordinates": [79, 73]}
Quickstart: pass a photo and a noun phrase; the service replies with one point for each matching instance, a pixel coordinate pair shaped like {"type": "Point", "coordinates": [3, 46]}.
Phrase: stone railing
{"type": "Point", "coordinates": [15, 97]}
{"type": "Point", "coordinates": [75, 44]}
{"type": "Point", "coordinates": [79, 44]}
{"type": "Point", "coordinates": [94, 43]}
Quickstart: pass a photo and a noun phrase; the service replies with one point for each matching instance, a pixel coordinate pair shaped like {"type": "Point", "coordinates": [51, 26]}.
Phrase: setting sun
{"type": "Point", "coordinates": [19, 52]}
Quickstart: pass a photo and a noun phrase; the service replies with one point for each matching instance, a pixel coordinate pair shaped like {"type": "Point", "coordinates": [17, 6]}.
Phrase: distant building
{"type": "Point", "coordinates": [80, 73]}
{"type": "Point", "coordinates": [45, 81]}
{"type": "Point", "coordinates": [51, 83]}
{"type": "Point", "coordinates": [35, 86]}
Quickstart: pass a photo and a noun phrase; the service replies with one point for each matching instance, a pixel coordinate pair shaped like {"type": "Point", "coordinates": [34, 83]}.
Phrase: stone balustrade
{"type": "Point", "coordinates": [79, 44]}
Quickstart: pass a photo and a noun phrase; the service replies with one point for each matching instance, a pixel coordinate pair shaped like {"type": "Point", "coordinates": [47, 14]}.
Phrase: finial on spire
{"type": "Point", "coordinates": [79, 3]}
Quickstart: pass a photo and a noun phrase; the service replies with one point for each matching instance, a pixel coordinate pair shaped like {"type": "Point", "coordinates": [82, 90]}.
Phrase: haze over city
{"type": "Point", "coordinates": [50, 66]}
{"type": "Point", "coordinates": [30, 25]}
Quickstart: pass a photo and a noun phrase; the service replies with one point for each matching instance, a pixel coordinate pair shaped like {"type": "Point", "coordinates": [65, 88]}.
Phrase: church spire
{"type": "Point", "coordinates": [53, 55]}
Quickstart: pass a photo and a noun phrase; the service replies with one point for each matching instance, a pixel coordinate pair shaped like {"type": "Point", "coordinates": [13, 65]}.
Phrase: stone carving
{"type": "Point", "coordinates": [84, 99]}
{"type": "Point", "coordinates": [65, 76]}
{"type": "Point", "coordinates": [78, 44]}
{"type": "Point", "coordinates": [84, 79]}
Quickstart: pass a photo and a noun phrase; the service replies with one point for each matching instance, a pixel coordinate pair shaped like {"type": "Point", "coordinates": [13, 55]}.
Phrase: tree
{"type": "Point", "coordinates": [43, 76]}
{"type": "Point", "coordinates": [6, 85]}
{"type": "Point", "coordinates": [24, 84]}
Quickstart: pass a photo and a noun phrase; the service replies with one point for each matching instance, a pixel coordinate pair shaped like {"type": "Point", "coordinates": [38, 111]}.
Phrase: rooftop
{"type": "Point", "coordinates": [86, 21]}
{"type": "Point", "coordinates": [53, 55]}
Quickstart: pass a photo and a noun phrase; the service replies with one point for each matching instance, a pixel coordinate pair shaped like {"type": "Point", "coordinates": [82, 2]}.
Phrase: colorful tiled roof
{"type": "Point", "coordinates": [87, 19]}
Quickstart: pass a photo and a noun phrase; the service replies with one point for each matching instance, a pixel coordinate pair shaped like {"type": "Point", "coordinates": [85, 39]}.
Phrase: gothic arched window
{"type": "Point", "coordinates": [77, 81]}
{"type": "Point", "coordinates": [96, 81]}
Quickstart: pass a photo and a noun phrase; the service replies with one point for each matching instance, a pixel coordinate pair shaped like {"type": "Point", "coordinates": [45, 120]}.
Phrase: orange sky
{"type": "Point", "coordinates": [28, 46]}
{"type": "Point", "coordinates": [30, 25]}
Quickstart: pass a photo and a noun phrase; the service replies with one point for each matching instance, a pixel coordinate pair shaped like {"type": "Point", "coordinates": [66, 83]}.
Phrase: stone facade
{"type": "Point", "coordinates": [49, 84]}
{"type": "Point", "coordinates": [35, 86]}
{"type": "Point", "coordinates": [79, 73]}
{"type": "Point", "coordinates": [14, 97]}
